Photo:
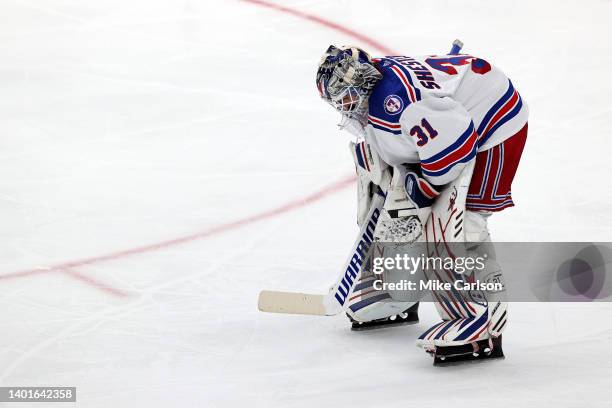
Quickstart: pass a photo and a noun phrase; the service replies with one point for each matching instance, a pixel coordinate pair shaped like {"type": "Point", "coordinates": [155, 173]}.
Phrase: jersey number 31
{"type": "Point", "coordinates": [423, 133]}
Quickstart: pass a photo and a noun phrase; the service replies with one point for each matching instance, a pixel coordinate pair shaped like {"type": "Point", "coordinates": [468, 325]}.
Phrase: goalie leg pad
{"type": "Point", "coordinates": [468, 316]}
{"type": "Point", "coordinates": [475, 315]}
{"type": "Point", "coordinates": [368, 304]}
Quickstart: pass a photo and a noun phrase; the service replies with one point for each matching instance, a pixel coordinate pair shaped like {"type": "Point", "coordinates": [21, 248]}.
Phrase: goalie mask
{"type": "Point", "coordinates": [345, 79]}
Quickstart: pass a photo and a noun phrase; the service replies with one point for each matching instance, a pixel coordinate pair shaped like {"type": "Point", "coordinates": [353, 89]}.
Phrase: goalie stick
{"type": "Point", "coordinates": [332, 303]}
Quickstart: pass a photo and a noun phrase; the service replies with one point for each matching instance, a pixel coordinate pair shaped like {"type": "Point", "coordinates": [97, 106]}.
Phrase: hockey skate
{"type": "Point", "coordinates": [479, 350]}
{"type": "Point", "coordinates": [408, 316]}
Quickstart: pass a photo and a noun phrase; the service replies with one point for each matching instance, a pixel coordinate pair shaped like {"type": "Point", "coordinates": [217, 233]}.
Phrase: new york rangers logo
{"type": "Point", "coordinates": [393, 104]}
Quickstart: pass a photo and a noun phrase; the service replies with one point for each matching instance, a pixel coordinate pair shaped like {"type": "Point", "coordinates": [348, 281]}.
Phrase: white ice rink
{"type": "Point", "coordinates": [140, 138]}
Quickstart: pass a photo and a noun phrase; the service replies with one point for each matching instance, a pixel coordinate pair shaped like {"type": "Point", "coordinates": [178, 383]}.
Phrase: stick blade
{"type": "Point", "coordinates": [291, 302]}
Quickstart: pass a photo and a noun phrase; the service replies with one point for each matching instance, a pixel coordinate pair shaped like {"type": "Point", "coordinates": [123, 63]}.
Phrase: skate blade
{"type": "Point", "coordinates": [454, 355]}
{"type": "Point", "coordinates": [366, 326]}
{"type": "Point", "coordinates": [465, 359]}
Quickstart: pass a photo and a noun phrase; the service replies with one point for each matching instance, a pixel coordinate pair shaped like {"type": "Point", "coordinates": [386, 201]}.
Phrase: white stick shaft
{"type": "Point", "coordinates": [290, 302]}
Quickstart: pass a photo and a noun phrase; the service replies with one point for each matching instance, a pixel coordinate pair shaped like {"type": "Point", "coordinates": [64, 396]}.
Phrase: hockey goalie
{"type": "Point", "coordinates": [439, 139]}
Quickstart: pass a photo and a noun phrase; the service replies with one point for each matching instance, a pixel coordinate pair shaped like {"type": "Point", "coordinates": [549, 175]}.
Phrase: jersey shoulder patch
{"type": "Point", "coordinates": [390, 97]}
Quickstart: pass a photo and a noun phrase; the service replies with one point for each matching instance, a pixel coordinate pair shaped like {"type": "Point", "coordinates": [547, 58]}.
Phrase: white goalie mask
{"type": "Point", "coordinates": [345, 79]}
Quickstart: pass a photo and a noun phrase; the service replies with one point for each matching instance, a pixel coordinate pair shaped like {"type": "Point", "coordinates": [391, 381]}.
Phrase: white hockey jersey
{"type": "Point", "coordinates": [440, 111]}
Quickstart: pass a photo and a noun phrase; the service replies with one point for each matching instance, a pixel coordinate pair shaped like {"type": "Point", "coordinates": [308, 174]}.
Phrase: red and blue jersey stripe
{"type": "Point", "coordinates": [507, 107]}
{"type": "Point", "coordinates": [492, 207]}
{"type": "Point", "coordinates": [461, 151]}
{"type": "Point", "coordinates": [380, 124]}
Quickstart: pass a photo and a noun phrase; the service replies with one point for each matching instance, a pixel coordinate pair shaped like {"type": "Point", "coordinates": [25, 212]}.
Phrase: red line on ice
{"type": "Point", "coordinates": [324, 22]}
{"type": "Point", "coordinates": [95, 283]}
{"type": "Point", "coordinates": [290, 206]}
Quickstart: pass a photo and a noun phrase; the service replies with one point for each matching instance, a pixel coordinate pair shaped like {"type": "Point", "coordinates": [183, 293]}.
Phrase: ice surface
{"type": "Point", "coordinates": [128, 123]}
